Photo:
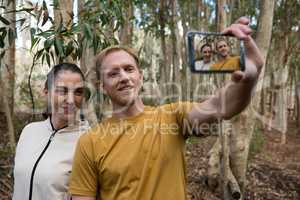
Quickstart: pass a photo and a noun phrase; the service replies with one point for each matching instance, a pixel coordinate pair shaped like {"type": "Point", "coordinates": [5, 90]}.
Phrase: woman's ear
{"type": "Point", "coordinates": [45, 91]}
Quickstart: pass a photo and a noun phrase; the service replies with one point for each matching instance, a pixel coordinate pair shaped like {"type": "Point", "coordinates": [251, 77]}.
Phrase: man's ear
{"type": "Point", "coordinates": [141, 75]}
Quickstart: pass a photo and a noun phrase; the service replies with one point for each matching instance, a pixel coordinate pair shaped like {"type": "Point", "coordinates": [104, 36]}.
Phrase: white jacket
{"type": "Point", "coordinates": [53, 170]}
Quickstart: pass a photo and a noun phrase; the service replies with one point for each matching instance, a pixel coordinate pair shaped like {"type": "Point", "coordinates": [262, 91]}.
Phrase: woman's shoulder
{"type": "Point", "coordinates": [36, 125]}
{"type": "Point", "coordinates": [34, 131]}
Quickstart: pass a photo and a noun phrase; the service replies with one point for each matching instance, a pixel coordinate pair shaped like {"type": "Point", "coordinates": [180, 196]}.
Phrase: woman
{"type": "Point", "coordinates": [205, 62]}
{"type": "Point", "coordinates": [45, 149]}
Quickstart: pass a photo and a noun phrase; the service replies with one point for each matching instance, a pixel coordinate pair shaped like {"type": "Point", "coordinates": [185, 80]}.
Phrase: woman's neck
{"type": "Point", "coordinates": [58, 123]}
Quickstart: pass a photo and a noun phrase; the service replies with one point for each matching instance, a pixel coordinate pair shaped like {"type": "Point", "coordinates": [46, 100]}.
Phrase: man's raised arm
{"type": "Point", "coordinates": [236, 95]}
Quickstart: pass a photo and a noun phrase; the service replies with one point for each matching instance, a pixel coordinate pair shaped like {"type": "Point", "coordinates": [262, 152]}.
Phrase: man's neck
{"type": "Point", "coordinates": [224, 57]}
{"type": "Point", "coordinates": [129, 110]}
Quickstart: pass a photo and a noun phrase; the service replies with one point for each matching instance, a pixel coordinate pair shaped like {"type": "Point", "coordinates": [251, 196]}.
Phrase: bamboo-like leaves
{"type": "Point", "coordinates": [4, 21]}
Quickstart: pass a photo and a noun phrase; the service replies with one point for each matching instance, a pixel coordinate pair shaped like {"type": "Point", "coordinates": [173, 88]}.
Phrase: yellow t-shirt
{"type": "Point", "coordinates": [232, 63]}
{"type": "Point", "coordinates": [136, 158]}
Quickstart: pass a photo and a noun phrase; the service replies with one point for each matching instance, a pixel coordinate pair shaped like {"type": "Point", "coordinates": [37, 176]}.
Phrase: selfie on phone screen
{"type": "Point", "coordinates": [214, 52]}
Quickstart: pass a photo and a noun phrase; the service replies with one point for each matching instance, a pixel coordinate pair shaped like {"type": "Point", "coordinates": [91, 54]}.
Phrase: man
{"type": "Point", "coordinates": [138, 153]}
{"type": "Point", "coordinates": [205, 62]}
{"type": "Point", "coordinates": [225, 62]}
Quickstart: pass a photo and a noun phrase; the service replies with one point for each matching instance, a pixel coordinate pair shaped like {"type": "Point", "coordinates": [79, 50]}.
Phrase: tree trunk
{"type": "Point", "coordinates": [8, 63]}
{"type": "Point", "coordinates": [163, 63]}
{"type": "Point", "coordinates": [241, 135]}
{"type": "Point", "coordinates": [224, 134]}
{"type": "Point", "coordinates": [63, 13]}
{"type": "Point", "coordinates": [126, 31]}
{"type": "Point", "coordinates": [221, 17]}
{"type": "Point", "coordinates": [263, 39]}
{"type": "Point", "coordinates": [175, 52]}
{"type": "Point", "coordinates": [7, 73]}
{"type": "Point", "coordinates": [8, 115]}
{"type": "Point", "coordinates": [186, 73]}
{"type": "Point", "coordinates": [297, 97]}
{"type": "Point", "coordinates": [87, 66]}
{"type": "Point", "coordinates": [196, 77]}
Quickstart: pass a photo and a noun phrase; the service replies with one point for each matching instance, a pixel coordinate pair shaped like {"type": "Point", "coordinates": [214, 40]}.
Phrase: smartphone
{"type": "Point", "coordinates": [215, 53]}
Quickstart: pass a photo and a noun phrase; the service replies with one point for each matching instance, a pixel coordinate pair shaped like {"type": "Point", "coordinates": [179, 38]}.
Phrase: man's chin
{"type": "Point", "coordinates": [124, 102]}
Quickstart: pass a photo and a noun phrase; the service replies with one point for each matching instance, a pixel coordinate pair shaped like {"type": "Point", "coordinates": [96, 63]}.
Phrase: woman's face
{"type": "Point", "coordinates": [206, 52]}
{"type": "Point", "coordinates": [66, 95]}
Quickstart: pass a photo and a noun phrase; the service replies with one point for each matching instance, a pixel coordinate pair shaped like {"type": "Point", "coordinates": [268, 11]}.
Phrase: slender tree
{"type": "Point", "coordinates": [7, 68]}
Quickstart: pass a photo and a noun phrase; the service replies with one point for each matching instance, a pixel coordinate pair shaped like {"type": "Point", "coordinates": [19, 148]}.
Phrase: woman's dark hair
{"type": "Point", "coordinates": [52, 75]}
{"type": "Point", "coordinates": [205, 45]}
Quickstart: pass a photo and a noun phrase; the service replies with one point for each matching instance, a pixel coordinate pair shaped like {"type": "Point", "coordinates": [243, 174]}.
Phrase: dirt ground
{"type": "Point", "coordinates": [273, 174]}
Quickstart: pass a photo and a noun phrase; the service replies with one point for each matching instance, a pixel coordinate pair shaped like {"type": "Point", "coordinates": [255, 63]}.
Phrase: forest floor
{"type": "Point", "coordinates": [273, 173]}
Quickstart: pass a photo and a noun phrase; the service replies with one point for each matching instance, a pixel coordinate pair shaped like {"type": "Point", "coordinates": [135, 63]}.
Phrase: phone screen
{"type": "Point", "coordinates": [215, 53]}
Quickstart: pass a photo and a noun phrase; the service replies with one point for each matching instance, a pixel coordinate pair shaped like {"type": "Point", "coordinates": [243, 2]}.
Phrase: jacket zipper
{"type": "Point", "coordinates": [37, 162]}
{"type": "Point", "coordinates": [40, 157]}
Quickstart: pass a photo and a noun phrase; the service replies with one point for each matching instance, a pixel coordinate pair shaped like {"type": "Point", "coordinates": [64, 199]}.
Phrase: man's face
{"type": "Point", "coordinates": [223, 49]}
{"type": "Point", "coordinates": [66, 95]}
{"type": "Point", "coordinates": [121, 78]}
{"type": "Point", "coordinates": [206, 52]}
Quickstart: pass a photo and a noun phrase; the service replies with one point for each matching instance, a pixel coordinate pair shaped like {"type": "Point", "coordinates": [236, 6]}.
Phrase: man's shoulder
{"type": "Point", "coordinates": [176, 107]}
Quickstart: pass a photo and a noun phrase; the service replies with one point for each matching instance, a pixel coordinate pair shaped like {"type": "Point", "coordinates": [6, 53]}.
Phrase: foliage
{"type": "Point", "coordinates": [6, 32]}
{"type": "Point", "coordinates": [69, 39]}
{"type": "Point", "coordinates": [24, 97]}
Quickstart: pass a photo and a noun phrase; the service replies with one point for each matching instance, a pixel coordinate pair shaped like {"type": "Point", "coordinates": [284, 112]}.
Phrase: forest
{"type": "Point", "coordinates": [257, 158]}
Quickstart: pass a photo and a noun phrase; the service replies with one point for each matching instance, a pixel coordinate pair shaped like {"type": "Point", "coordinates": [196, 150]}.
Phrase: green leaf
{"type": "Point", "coordinates": [4, 21]}
{"type": "Point", "coordinates": [34, 42]}
{"type": "Point", "coordinates": [22, 21]}
{"type": "Point", "coordinates": [3, 35]}
{"type": "Point", "coordinates": [55, 3]}
{"type": "Point", "coordinates": [45, 6]}
{"type": "Point", "coordinates": [48, 59]}
{"type": "Point", "coordinates": [70, 48]}
{"type": "Point", "coordinates": [2, 42]}
{"type": "Point", "coordinates": [28, 10]}
{"type": "Point", "coordinates": [38, 55]}
{"type": "Point", "coordinates": [2, 54]}
{"type": "Point", "coordinates": [11, 36]}
{"type": "Point", "coordinates": [30, 3]}
{"type": "Point", "coordinates": [79, 52]}
{"type": "Point", "coordinates": [87, 31]}
{"type": "Point", "coordinates": [1, 57]}
{"type": "Point", "coordinates": [32, 32]}
{"type": "Point", "coordinates": [95, 45]}
{"type": "Point", "coordinates": [52, 56]}
{"type": "Point", "coordinates": [58, 43]}
{"type": "Point", "coordinates": [48, 44]}
{"type": "Point", "coordinates": [43, 58]}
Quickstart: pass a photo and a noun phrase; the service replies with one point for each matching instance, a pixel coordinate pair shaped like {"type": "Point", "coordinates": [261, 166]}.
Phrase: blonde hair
{"type": "Point", "coordinates": [100, 57]}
